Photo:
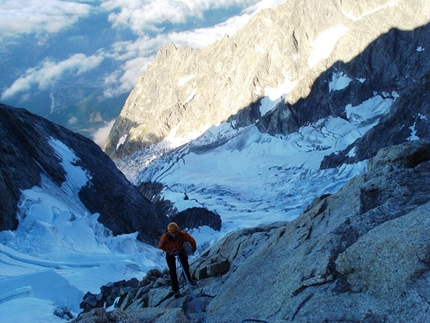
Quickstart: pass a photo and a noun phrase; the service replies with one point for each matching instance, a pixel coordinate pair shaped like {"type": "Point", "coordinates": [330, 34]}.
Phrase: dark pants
{"type": "Point", "coordinates": [171, 263]}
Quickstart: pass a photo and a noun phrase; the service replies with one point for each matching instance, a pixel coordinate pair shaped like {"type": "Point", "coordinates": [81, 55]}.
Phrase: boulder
{"type": "Point", "coordinates": [141, 315]}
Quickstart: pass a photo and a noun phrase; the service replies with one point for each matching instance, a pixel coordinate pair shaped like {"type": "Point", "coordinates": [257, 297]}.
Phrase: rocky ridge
{"type": "Point", "coordinates": [26, 156]}
{"type": "Point", "coordinates": [359, 255]}
{"type": "Point", "coordinates": [287, 48]}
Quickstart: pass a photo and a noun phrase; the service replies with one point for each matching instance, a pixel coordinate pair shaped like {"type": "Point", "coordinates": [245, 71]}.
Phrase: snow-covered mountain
{"type": "Point", "coordinates": [265, 145]}
{"type": "Point", "coordinates": [30, 157]}
{"type": "Point", "coordinates": [288, 143]}
{"type": "Point", "coordinates": [60, 250]}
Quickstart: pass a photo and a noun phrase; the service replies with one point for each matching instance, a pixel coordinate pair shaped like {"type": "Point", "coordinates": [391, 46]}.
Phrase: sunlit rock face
{"type": "Point", "coordinates": [29, 159]}
{"type": "Point", "coordinates": [357, 255]}
{"type": "Point", "coordinates": [311, 57]}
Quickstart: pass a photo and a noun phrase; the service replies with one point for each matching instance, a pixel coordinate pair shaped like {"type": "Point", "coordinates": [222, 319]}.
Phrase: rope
{"type": "Point", "coordinates": [196, 304]}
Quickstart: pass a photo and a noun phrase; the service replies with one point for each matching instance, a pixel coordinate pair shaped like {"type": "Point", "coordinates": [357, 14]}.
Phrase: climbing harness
{"type": "Point", "coordinates": [196, 304]}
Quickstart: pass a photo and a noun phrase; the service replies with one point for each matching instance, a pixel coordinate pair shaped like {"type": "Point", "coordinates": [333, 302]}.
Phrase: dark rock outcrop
{"type": "Point", "coordinates": [144, 315]}
{"type": "Point", "coordinates": [26, 155]}
{"type": "Point", "coordinates": [108, 294]}
{"type": "Point", "coordinates": [190, 218]}
{"type": "Point", "coordinates": [152, 191]}
{"type": "Point", "coordinates": [197, 216]}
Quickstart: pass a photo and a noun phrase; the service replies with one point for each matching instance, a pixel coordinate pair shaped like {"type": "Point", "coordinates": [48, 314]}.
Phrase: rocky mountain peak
{"type": "Point", "coordinates": [279, 54]}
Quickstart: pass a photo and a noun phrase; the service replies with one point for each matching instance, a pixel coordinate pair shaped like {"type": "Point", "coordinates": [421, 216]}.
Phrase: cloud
{"type": "Point", "coordinates": [49, 72]}
{"type": "Point", "coordinates": [260, 5]}
{"type": "Point", "coordinates": [124, 79]}
{"type": "Point", "coordinates": [35, 16]}
{"type": "Point", "coordinates": [100, 136]}
{"type": "Point", "coordinates": [73, 120]}
{"type": "Point", "coordinates": [202, 37]}
{"type": "Point", "coordinates": [143, 15]}
{"type": "Point", "coordinates": [136, 56]}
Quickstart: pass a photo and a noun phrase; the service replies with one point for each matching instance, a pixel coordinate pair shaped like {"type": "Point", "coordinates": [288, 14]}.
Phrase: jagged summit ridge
{"type": "Point", "coordinates": [278, 55]}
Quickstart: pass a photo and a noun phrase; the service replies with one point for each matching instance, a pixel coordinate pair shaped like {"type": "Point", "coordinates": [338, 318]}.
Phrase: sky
{"type": "Point", "coordinates": [59, 251]}
{"type": "Point", "coordinates": [108, 43]}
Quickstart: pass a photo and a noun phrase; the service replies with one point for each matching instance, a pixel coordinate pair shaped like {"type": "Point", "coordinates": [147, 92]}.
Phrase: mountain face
{"type": "Point", "coordinates": [356, 248]}
{"type": "Point", "coordinates": [28, 159]}
{"type": "Point", "coordinates": [305, 59]}
{"type": "Point", "coordinates": [358, 255]}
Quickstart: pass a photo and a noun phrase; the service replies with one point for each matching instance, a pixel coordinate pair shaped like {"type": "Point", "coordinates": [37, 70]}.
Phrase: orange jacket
{"type": "Point", "coordinates": [170, 246]}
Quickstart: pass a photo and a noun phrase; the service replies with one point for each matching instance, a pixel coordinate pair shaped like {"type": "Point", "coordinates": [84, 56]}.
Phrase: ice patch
{"type": "Point", "coordinates": [190, 98]}
{"type": "Point", "coordinates": [324, 44]}
{"type": "Point", "coordinates": [180, 199]}
{"type": "Point", "coordinates": [339, 81]}
{"type": "Point", "coordinates": [369, 110]}
{"type": "Point", "coordinates": [413, 135]}
{"type": "Point", "coordinates": [46, 285]}
{"type": "Point", "coordinates": [185, 79]}
{"type": "Point", "coordinates": [266, 104]}
{"type": "Point", "coordinates": [75, 175]}
{"type": "Point", "coordinates": [121, 141]}
{"type": "Point", "coordinates": [272, 96]}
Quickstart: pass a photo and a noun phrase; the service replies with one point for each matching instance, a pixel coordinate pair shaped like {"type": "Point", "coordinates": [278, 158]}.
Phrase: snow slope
{"type": "Point", "coordinates": [251, 178]}
{"type": "Point", "coordinates": [60, 251]}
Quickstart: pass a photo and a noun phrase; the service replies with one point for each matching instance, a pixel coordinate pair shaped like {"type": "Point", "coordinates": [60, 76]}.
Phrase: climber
{"type": "Point", "coordinates": [173, 244]}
